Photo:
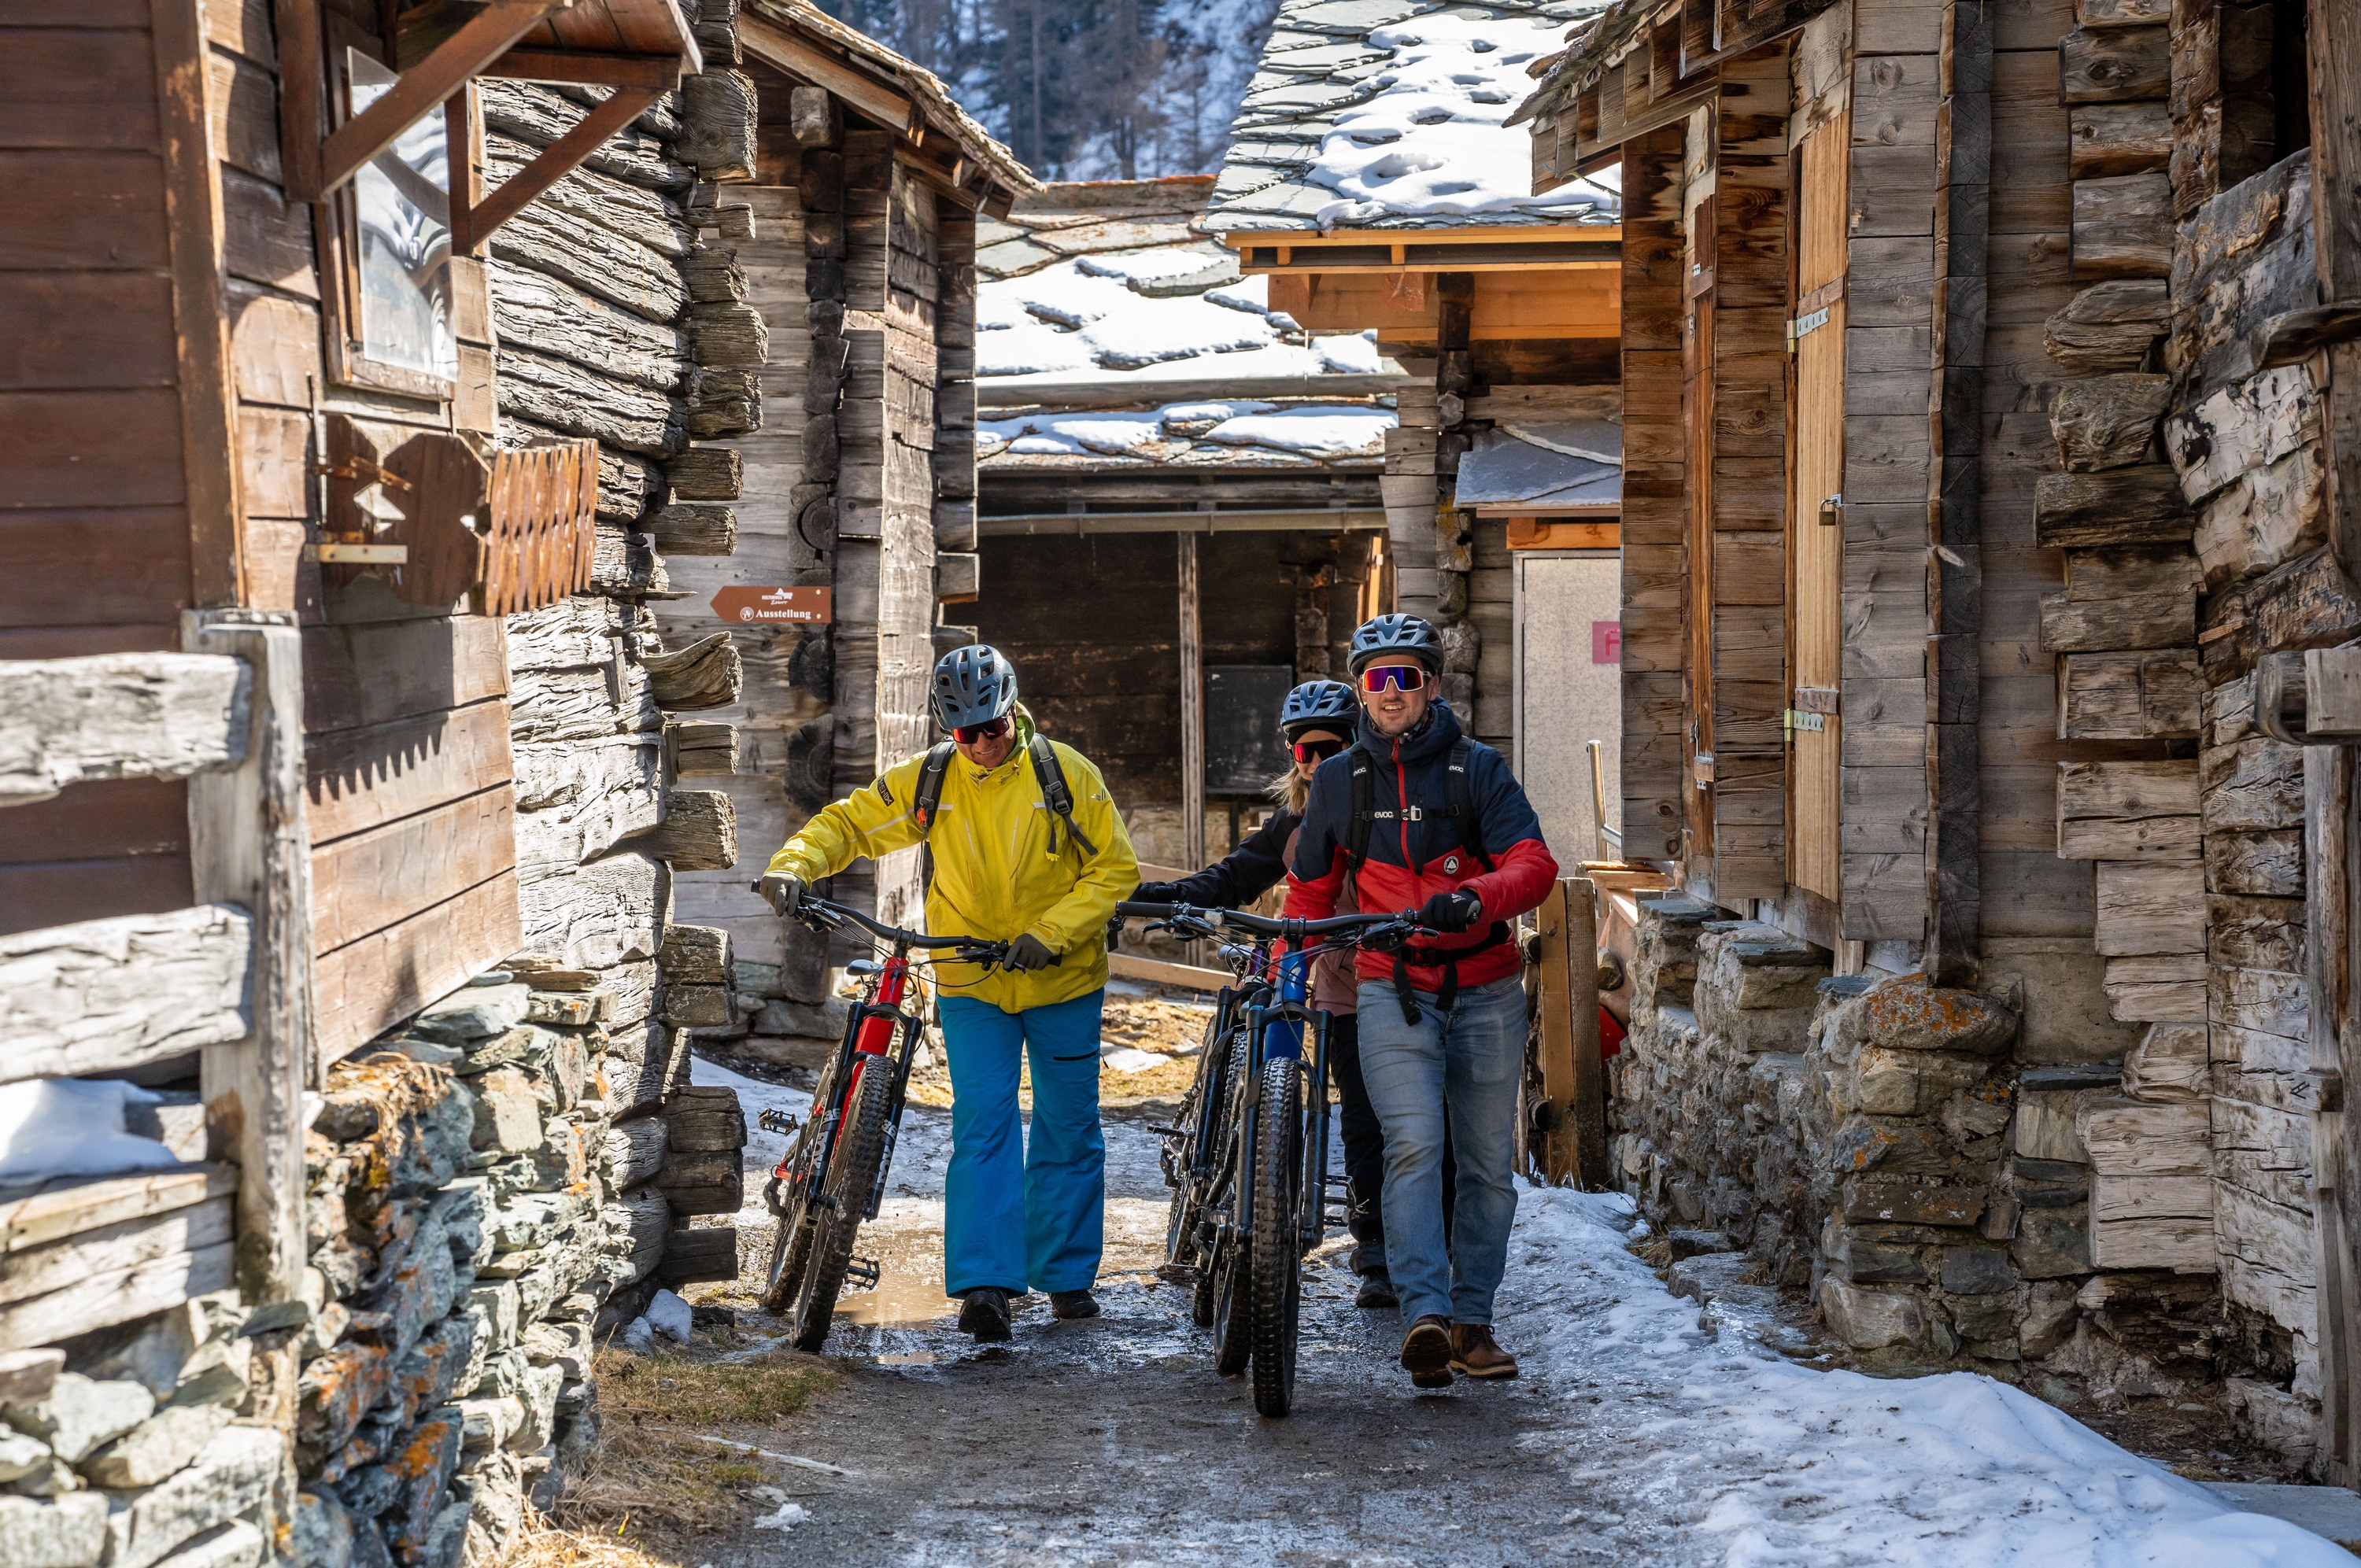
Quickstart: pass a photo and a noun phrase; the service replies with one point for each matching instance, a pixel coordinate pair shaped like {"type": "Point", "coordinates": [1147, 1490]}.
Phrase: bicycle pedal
{"type": "Point", "coordinates": [1167, 1132]}
{"type": "Point", "coordinates": [861, 1272]}
{"type": "Point", "coordinates": [775, 1121]}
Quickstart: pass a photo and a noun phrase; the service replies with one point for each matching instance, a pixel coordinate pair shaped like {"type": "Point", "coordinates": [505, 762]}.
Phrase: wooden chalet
{"type": "Point", "coordinates": [1397, 203]}
{"type": "Point", "coordinates": [1988, 605]}
{"type": "Point", "coordinates": [854, 510]}
{"type": "Point", "coordinates": [364, 354]}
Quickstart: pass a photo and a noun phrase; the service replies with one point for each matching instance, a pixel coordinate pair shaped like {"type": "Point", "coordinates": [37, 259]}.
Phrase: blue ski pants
{"type": "Point", "coordinates": [1020, 1212]}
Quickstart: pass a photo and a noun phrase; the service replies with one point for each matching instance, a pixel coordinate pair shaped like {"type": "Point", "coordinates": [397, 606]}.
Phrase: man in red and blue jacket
{"type": "Point", "coordinates": [1422, 816]}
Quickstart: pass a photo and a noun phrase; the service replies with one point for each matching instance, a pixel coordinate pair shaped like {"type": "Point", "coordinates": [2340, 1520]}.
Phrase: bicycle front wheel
{"type": "Point", "coordinates": [851, 1178]}
{"type": "Point", "coordinates": [1275, 1288]}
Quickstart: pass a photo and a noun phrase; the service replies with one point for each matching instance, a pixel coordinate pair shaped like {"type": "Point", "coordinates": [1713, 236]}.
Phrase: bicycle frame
{"type": "Point", "coordinates": [869, 1041]}
{"type": "Point", "coordinates": [1277, 1030]}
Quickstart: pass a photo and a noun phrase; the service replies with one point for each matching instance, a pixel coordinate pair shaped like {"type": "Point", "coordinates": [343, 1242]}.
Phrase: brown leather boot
{"type": "Point", "coordinates": [1426, 1352]}
{"type": "Point", "coordinates": [1473, 1353]}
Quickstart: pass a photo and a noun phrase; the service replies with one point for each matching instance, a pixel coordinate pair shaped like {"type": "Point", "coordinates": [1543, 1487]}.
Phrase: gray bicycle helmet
{"type": "Point", "coordinates": [1396, 634]}
{"type": "Point", "coordinates": [1318, 705]}
{"type": "Point", "coordinates": [973, 685]}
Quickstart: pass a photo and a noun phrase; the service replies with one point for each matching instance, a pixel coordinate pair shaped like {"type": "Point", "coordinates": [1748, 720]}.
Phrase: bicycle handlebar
{"type": "Point", "coordinates": [1264, 925]}
{"type": "Point", "coordinates": [828, 915]}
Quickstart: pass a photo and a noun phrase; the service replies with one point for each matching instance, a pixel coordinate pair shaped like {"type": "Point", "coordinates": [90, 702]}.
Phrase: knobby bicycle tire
{"type": "Point", "coordinates": [1276, 1278]}
{"type": "Point", "coordinates": [1233, 1284]}
{"type": "Point", "coordinates": [851, 1176]}
{"type": "Point", "coordinates": [791, 1239]}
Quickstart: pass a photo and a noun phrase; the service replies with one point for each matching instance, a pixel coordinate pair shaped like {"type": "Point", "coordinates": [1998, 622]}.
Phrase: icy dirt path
{"type": "Point", "coordinates": [1633, 1437]}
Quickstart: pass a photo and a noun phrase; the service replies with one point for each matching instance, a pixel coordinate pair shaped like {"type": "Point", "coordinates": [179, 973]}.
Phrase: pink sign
{"type": "Point", "coordinates": [1606, 642]}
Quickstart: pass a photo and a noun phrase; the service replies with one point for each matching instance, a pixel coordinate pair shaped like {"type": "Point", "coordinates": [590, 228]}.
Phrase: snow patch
{"type": "Point", "coordinates": [71, 1127]}
{"type": "Point", "coordinates": [1430, 142]}
{"type": "Point", "coordinates": [1788, 1466]}
{"type": "Point", "coordinates": [1314, 430]}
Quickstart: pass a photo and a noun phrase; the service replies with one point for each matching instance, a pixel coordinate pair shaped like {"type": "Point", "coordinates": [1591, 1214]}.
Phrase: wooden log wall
{"type": "Point", "coordinates": [1655, 553]}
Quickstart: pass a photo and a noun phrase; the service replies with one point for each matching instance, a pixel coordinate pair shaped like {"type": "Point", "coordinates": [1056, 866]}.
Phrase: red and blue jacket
{"type": "Point", "coordinates": [1410, 861]}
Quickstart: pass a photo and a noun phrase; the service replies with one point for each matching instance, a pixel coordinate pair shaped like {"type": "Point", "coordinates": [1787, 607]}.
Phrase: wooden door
{"type": "Point", "coordinates": [1816, 537]}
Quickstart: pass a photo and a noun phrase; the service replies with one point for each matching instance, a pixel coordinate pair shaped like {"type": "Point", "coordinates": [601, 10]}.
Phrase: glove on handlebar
{"type": "Point", "coordinates": [781, 892]}
{"type": "Point", "coordinates": [1155, 893]}
{"type": "Point", "coordinates": [1027, 953]}
{"type": "Point", "coordinates": [1455, 911]}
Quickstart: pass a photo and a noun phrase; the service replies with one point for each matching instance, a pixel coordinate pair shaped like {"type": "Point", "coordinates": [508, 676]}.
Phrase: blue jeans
{"type": "Point", "coordinates": [1017, 1216]}
{"type": "Point", "coordinates": [1466, 1064]}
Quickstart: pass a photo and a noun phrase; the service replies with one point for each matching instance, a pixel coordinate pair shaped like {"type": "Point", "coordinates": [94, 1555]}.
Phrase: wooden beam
{"type": "Point", "coordinates": [104, 995]}
{"type": "Point", "coordinates": [208, 396]}
{"type": "Point", "coordinates": [45, 1217]}
{"type": "Point", "coordinates": [889, 108]}
{"type": "Point", "coordinates": [1192, 709]}
{"type": "Point", "coordinates": [249, 845]}
{"type": "Point", "coordinates": [2333, 35]}
{"type": "Point", "coordinates": [303, 78]}
{"type": "Point", "coordinates": [118, 716]}
{"type": "Point", "coordinates": [488, 36]}
{"type": "Point", "coordinates": [558, 159]}
{"type": "Point", "coordinates": [659, 72]}
{"type": "Point", "coordinates": [2328, 820]}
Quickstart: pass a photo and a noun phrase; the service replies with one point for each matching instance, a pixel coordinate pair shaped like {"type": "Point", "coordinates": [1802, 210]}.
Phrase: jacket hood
{"type": "Point", "coordinates": [1436, 734]}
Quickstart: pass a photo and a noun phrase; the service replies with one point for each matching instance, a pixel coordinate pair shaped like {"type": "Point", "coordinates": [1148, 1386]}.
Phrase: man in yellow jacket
{"type": "Point", "coordinates": [1026, 848]}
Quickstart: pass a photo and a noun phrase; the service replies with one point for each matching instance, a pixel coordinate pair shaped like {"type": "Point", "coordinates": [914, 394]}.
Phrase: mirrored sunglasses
{"type": "Point", "coordinates": [969, 734]}
{"type": "Point", "coordinates": [1400, 677]}
{"type": "Point", "coordinates": [1317, 750]}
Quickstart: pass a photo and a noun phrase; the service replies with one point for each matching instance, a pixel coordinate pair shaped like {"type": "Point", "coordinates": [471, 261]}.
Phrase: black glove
{"type": "Point", "coordinates": [1114, 931]}
{"type": "Point", "coordinates": [781, 892]}
{"type": "Point", "coordinates": [1028, 952]}
{"type": "Point", "coordinates": [1453, 911]}
{"type": "Point", "coordinates": [1156, 893]}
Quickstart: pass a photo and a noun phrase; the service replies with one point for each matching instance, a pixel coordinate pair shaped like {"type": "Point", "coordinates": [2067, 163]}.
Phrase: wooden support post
{"type": "Point", "coordinates": [1573, 1147]}
{"type": "Point", "coordinates": [2333, 35]}
{"type": "Point", "coordinates": [1193, 711]}
{"type": "Point", "coordinates": [2328, 799]}
{"type": "Point", "coordinates": [250, 846]}
{"type": "Point", "coordinates": [556, 159]}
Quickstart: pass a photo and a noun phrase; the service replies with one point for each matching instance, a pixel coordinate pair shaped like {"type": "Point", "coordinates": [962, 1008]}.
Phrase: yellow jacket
{"type": "Point", "coordinates": [995, 874]}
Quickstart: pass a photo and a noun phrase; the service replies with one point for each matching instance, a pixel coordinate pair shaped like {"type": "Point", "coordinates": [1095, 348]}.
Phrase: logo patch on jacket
{"type": "Point", "coordinates": [885, 792]}
{"type": "Point", "coordinates": [1452, 865]}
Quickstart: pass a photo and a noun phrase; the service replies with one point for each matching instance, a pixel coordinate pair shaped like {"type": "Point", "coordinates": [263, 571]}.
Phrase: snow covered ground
{"type": "Point", "coordinates": [1775, 1464]}
{"type": "Point", "coordinates": [1640, 1436]}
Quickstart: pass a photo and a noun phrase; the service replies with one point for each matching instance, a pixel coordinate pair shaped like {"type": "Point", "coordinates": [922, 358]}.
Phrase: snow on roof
{"type": "Point", "coordinates": [1572, 463]}
{"type": "Point", "coordinates": [1392, 114]}
{"type": "Point", "coordinates": [1099, 296]}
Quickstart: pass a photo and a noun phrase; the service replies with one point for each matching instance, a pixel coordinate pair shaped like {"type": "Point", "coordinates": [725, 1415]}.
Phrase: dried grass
{"type": "Point", "coordinates": [650, 1484]}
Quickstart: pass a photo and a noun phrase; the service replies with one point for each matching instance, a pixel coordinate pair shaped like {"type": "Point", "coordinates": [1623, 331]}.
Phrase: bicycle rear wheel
{"type": "Point", "coordinates": [841, 1205]}
{"type": "Point", "coordinates": [1277, 1283]}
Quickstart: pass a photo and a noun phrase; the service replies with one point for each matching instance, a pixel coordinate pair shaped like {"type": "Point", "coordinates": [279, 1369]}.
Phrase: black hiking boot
{"type": "Point", "coordinates": [986, 1316]}
{"type": "Point", "coordinates": [1073, 1304]}
{"type": "Point", "coordinates": [1376, 1288]}
{"type": "Point", "coordinates": [1426, 1352]}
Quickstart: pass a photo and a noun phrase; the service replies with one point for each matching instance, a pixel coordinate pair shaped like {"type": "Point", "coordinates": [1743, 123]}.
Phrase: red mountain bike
{"type": "Point", "coordinates": [834, 1177]}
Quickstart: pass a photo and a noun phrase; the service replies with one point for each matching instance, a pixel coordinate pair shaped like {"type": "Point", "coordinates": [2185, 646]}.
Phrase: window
{"type": "Point", "coordinates": [402, 223]}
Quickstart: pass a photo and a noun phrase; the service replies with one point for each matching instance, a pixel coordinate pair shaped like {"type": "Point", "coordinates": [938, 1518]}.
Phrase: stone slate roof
{"type": "Point", "coordinates": [1111, 334]}
{"type": "Point", "coordinates": [1429, 82]}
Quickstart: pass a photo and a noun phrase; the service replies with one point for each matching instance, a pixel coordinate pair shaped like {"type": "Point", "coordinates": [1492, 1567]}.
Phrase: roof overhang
{"type": "Point", "coordinates": [1073, 525]}
{"type": "Point", "coordinates": [1507, 247]}
{"type": "Point", "coordinates": [935, 139]}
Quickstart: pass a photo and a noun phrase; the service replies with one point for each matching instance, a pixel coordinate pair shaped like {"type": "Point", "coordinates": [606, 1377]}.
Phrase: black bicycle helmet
{"type": "Point", "coordinates": [1396, 633]}
{"type": "Point", "coordinates": [1318, 705]}
{"type": "Point", "coordinates": [973, 685]}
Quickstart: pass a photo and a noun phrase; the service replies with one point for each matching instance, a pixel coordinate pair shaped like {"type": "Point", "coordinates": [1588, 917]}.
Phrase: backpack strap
{"type": "Point", "coordinates": [923, 808]}
{"type": "Point", "coordinates": [1055, 794]}
{"type": "Point", "coordinates": [1365, 809]}
{"type": "Point", "coordinates": [1459, 794]}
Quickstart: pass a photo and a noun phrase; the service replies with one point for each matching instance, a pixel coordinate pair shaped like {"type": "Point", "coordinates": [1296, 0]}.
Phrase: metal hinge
{"type": "Point", "coordinates": [1815, 722]}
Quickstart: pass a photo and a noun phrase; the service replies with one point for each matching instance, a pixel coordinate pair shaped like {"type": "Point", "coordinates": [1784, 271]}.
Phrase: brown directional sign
{"type": "Point", "coordinates": [751, 606]}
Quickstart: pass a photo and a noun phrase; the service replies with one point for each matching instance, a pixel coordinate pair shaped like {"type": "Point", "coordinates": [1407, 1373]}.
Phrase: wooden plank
{"type": "Point", "coordinates": [95, 821]}
{"type": "Point", "coordinates": [91, 449]}
{"type": "Point", "coordinates": [126, 1244]}
{"type": "Point", "coordinates": [2150, 907]}
{"type": "Point", "coordinates": [193, 205]}
{"type": "Point", "coordinates": [84, 89]}
{"type": "Point", "coordinates": [2113, 65]}
{"type": "Point", "coordinates": [118, 716]}
{"type": "Point", "coordinates": [79, 209]}
{"type": "Point", "coordinates": [2071, 625]}
{"type": "Point", "coordinates": [105, 995]}
{"type": "Point", "coordinates": [385, 874]}
{"type": "Point", "coordinates": [2184, 1244]}
{"type": "Point", "coordinates": [85, 330]}
{"type": "Point", "coordinates": [372, 674]}
{"type": "Point", "coordinates": [2123, 227]}
{"type": "Point", "coordinates": [369, 985]}
{"type": "Point", "coordinates": [2129, 1138]}
{"type": "Point", "coordinates": [67, 1207]}
{"type": "Point", "coordinates": [2118, 138]}
{"type": "Point", "coordinates": [247, 846]}
{"type": "Point", "coordinates": [358, 779]}
{"type": "Point", "coordinates": [118, 1296]}
{"type": "Point", "coordinates": [2128, 697]}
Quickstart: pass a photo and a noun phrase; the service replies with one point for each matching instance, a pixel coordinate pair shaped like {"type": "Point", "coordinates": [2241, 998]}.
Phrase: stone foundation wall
{"type": "Point", "coordinates": [1875, 1141]}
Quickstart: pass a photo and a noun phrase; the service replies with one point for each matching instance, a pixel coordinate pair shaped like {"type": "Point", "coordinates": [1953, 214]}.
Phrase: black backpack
{"type": "Point", "coordinates": [1459, 801]}
{"type": "Point", "coordinates": [1046, 772]}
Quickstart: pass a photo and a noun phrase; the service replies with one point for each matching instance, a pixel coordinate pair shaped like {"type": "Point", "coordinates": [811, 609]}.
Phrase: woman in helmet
{"type": "Point", "coordinates": [1317, 718]}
